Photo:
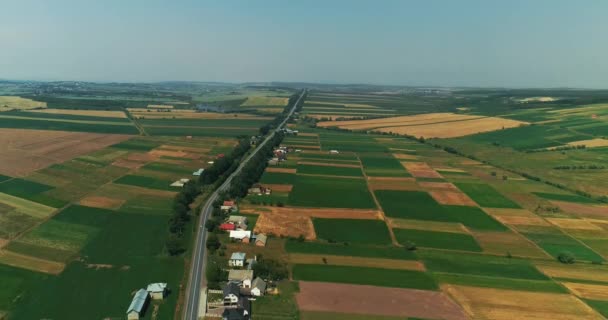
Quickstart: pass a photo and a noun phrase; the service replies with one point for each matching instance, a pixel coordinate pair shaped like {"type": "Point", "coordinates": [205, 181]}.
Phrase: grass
{"type": "Point", "coordinates": [25, 206]}
{"type": "Point", "coordinates": [15, 284]}
{"type": "Point", "coordinates": [500, 283]}
{"type": "Point", "coordinates": [329, 170]}
{"type": "Point", "coordinates": [557, 243]}
{"type": "Point", "coordinates": [411, 205]}
{"type": "Point", "coordinates": [437, 239]}
{"type": "Point", "coordinates": [486, 196]}
{"type": "Point", "coordinates": [599, 306]}
{"type": "Point", "coordinates": [311, 191]}
{"type": "Point", "coordinates": [168, 167]}
{"type": "Point", "coordinates": [373, 232]}
{"type": "Point", "coordinates": [282, 306]}
{"type": "Point", "coordinates": [564, 197]}
{"type": "Point", "coordinates": [145, 182]}
{"type": "Point", "coordinates": [474, 218]}
{"type": "Point", "coordinates": [365, 276]}
{"type": "Point", "coordinates": [385, 252]}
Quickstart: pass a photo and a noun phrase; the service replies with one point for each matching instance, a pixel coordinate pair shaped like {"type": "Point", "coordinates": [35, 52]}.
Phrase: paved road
{"type": "Point", "coordinates": [197, 281]}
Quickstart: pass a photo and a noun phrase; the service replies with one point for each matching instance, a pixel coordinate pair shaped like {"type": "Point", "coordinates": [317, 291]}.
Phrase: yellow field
{"type": "Point", "coordinates": [296, 258]}
{"type": "Point", "coordinates": [30, 208]}
{"type": "Point", "coordinates": [160, 106]}
{"type": "Point", "coordinates": [30, 263]}
{"type": "Point", "coordinates": [498, 304]}
{"type": "Point", "coordinates": [565, 223]}
{"type": "Point", "coordinates": [588, 291]}
{"type": "Point", "coordinates": [427, 225]}
{"type": "Point", "coordinates": [17, 103]}
{"type": "Point", "coordinates": [432, 125]}
{"type": "Point", "coordinates": [265, 101]}
{"type": "Point", "coordinates": [92, 113]}
{"type": "Point", "coordinates": [348, 105]}
{"type": "Point", "coordinates": [591, 143]}
{"type": "Point", "coordinates": [581, 271]}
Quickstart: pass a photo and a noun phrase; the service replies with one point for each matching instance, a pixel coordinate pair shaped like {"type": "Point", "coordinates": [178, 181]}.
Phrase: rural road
{"type": "Point", "coordinates": [196, 281]}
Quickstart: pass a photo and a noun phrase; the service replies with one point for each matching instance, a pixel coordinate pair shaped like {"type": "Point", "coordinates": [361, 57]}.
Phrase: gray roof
{"type": "Point", "coordinates": [139, 300]}
{"type": "Point", "coordinates": [239, 275]}
{"type": "Point", "coordinates": [231, 288]}
{"type": "Point", "coordinates": [238, 256]}
{"type": "Point", "coordinates": [156, 287]}
{"type": "Point", "coordinates": [259, 283]}
{"type": "Point", "coordinates": [261, 237]}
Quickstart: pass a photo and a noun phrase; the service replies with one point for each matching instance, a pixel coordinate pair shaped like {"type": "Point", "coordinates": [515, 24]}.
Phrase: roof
{"type": "Point", "coordinates": [240, 234]}
{"type": "Point", "coordinates": [259, 283]}
{"type": "Point", "coordinates": [237, 219]}
{"type": "Point", "coordinates": [233, 314]}
{"type": "Point", "coordinates": [156, 287]}
{"type": "Point", "coordinates": [198, 172]}
{"type": "Point", "coordinates": [227, 226]}
{"type": "Point", "coordinates": [240, 275]}
{"type": "Point", "coordinates": [238, 256]}
{"type": "Point", "coordinates": [231, 288]}
{"type": "Point", "coordinates": [228, 203]}
{"type": "Point", "coordinates": [138, 302]}
{"type": "Point", "coordinates": [261, 237]}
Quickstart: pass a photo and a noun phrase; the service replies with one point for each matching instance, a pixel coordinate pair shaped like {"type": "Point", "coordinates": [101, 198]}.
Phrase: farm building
{"type": "Point", "coordinates": [229, 206]}
{"type": "Point", "coordinates": [259, 190]}
{"type": "Point", "coordinates": [157, 290]}
{"type": "Point", "coordinates": [240, 235]}
{"type": "Point", "coordinates": [260, 240]}
{"type": "Point", "coordinates": [241, 277]}
{"type": "Point", "coordinates": [237, 259]}
{"type": "Point", "coordinates": [227, 227]}
{"type": "Point", "coordinates": [138, 304]}
{"type": "Point", "coordinates": [198, 172]}
{"type": "Point", "coordinates": [231, 293]}
{"type": "Point", "coordinates": [180, 182]}
{"type": "Point", "coordinates": [258, 287]}
{"type": "Point", "coordinates": [239, 221]}
{"type": "Point", "coordinates": [333, 152]}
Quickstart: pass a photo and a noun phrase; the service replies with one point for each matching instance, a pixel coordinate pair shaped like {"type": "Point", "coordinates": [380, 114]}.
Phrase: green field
{"type": "Point", "coordinates": [383, 166]}
{"type": "Point", "coordinates": [312, 191]}
{"type": "Point", "coordinates": [145, 182]}
{"type": "Point", "coordinates": [500, 283]}
{"type": "Point", "coordinates": [341, 249]}
{"type": "Point", "coordinates": [436, 239]}
{"type": "Point", "coordinates": [329, 170]}
{"type": "Point", "coordinates": [557, 243]}
{"type": "Point", "coordinates": [411, 205]}
{"type": "Point", "coordinates": [564, 197]}
{"type": "Point", "coordinates": [366, 276]}
{"type": "Point", "coordinates": [486, 196]}
{"type": "Point", "coordinates": [473, 218]}
{"type": "Point", "coordinates": [373, 232]}
{"type": "Point", "coordinates": [278, 178]}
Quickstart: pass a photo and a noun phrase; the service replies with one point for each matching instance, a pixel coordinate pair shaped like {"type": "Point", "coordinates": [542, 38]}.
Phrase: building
{"type": "Point", "coordinates": [260, 240]}
{"type": "Point", "coordinates": [333, 152]}
{"type": "Point", "coordinates": [227, 227]}
{"type": "Point", "coordinates": [273, 162]}
{"type": "Point", "coordinates": [237, 259]}
{"type": "Point", "coordinates": [138, 304]}
{"type": "Point", "coordinates": [241, 277]}
{"type": "Point", "coordinates": [157, 290]}
{"type": "Point", "coordinates": [240, 235]}
{"type": "Point", "coordinates": [258, 287]}
{"type": "Point", "coordinates": [180, 182]}
{"type": "Point", "coordinates": [231, 294]}
{"type": "Point", "coordinates": [241, 311]}
{"type": "Point", "coordinates": [198, 172]}
{"type": "Point", "coordinates": [229, 206]}
{"type": "Point", "coordinates": [239, 221]}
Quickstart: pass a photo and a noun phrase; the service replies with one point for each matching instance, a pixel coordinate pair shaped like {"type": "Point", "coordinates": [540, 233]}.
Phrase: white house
{"type": "Point", "coordinates": [137, 304]}
{"type": "Point", "coordinates": [157, 290]}
{"type": "Point", "coordinates": [180, 182]}
{"type": "Point", "coordinates": [241, 277]}
{"type": "Point", "coordinates": [240, 235]}
{"type": "Point", "coordinates": [258, 287]}
{"type": "Point", "coordinates": [237, 259]}
{"type": "Point", "coordinates": [198, 172]}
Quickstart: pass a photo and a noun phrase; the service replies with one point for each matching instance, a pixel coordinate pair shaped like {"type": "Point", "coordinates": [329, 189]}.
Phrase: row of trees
{"type": "Point", "coordinates": [223, 166]}
{"type": "Point", "coordinates": [177, 224]}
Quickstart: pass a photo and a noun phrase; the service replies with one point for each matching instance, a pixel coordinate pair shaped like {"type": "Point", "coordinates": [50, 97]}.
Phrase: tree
{"type": "Point", "coordinates": [566, 257]}
{"type": "Point", "coordinates": [174, 245]}
{"type": "Point", "coordinates": [410, 246]}
{"type": "Point", "coordinates": [270, 269]}
{"type": "Point", "coordinates": [213, 242]}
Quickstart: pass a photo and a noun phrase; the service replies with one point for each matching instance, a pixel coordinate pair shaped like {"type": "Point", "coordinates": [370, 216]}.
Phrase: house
{"type": "Point", "coordinates": [198, 172]}
{"type": "Point", "coordinates": [229, 206]}
{"type": "Point", "coordinates": [227, 227]}
{"type": "Point", "coordinates": [259, 190]}
{"type": "Point", "coordinates": [239, 221]}
{"type": "Point", "coordinates": [258, 287]}
{"type": "Point", "coordinates": [241, 277]}
{"type": "Point", "coordinates": [260, 240]}
{"type": "Point", "coordinates": [157, 290]}
{"type": "Point", "coordinates": [241, 312]}
{"type": "Point", "coordinates": [333, 152]}
{"type": "Point", "coordinates": [180, 182]}
{"type": "Point", "coordinates": [138, 304]}
{"type": "Point", "coordinates": [231, 293]}
{"type": "Point", "coordinates": [240, 235]}
{"type": "Point", "coordinates": [237, 259]}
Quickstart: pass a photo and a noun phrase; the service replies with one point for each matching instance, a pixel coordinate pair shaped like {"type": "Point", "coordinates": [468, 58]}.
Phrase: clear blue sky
{"type": "Point", "coordinates": [512, 43]}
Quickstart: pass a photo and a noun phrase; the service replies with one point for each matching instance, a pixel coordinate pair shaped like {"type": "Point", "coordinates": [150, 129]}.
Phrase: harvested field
{"type": "Point", "coordinates": [327, 164]}
{"type": "Point", "coordinates": [371, 300]}
{"type": "Point", "coordinates": [500, 243]}
{"type": "Point", "coordinates": [254, 101]}
{"type": "Point", "coordinates": [432, 125]}
{"type": "Point", "coordinates": [327, 213]}
{"type": "Point", "coordinates": [141, 113]}
{"type": "Point", "coordinates": [17, 103]}
{"type": "Point", "coordinates": [285, 224]}
{"type": "Point", "coordinates": [279, 187]}
{"type": "Point", "coordinates": [102, 202]}
{"type": "Point", "coordinates": [308, 134]}
{"type": "Point", "coordinates": [124, 163]}
{"type": "Point", "coordinates": [405, 156]}
{"type": "Point", "coordinates": [298, 258]}
{"type": "Point", "coordinates": [386, 183]}
{"type": "Point", "coordinates": [591, 143]}
{"type": "Point", "coordinates": [452, 198]}
{"type": "Point", "coordinates": [282, 170]}
{"type": "Point", "coordinates": [421, 170]}
{"type": "Point", "coordinates": [24, 151]}
{"type": "Point", "coordinates": [496, 212]}
{"type": "Point", "coordinates": [581, 272]}
{"type": "Point", "coordinates": [526, 221]}
{"type": "Point", "coordinates": [438, 185]}
{"type": "Point", "coordinates": [585, 210]}
{"type": "Point", "coordinates": [588, 291]}
{"type": "Point", "coordinates": [498, 304]}
{"type": "Point", "coordinates": [30, 263]}
{"type": "Point", "coordinates": [427, 225]}
{"type": "Point", "coordinates": [91, 113]}
{"type": "Point", "coordinates": [580, 224]}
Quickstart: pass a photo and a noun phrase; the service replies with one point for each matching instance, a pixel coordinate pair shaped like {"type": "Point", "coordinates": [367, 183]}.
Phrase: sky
{"type": "Point", "coordinates": [478, 43]}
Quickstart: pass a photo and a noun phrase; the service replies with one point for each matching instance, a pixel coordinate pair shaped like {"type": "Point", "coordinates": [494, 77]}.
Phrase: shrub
{"type": "Point", "coordinates": [566, 257]}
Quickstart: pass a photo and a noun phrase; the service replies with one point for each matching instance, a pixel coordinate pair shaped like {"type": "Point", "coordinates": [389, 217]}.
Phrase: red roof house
{"type": "Point", "coordinates": [227, 226]}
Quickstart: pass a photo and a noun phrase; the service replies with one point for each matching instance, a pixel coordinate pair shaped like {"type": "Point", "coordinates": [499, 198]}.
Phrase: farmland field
{"type": "Point", "coordinates": [309, 191]}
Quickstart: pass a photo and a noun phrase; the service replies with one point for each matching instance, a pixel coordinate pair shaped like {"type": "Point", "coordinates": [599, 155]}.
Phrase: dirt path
{"type": "Point", "coordinates": [383, 216]}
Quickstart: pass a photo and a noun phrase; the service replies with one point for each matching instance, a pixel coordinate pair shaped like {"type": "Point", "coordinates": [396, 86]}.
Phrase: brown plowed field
{"type": "Point", "coordinates": [405, 156]}
{"type": "Point", "coordinates": [421, 170]}
{"type": "Point", "coordinates": [285, 224]}
{"type": "Point", "coordinates": [124, 163]}
{"type": "Point", "coordinates": [24, 151]}
{"type": "Point", "coordinates": [102, 202]}
{"type": "Point", "coordinates": [526, 221]}
{"type": "Point", "coordinates": [370, 300]}
{"type": "Point", "coordinates": [452, 198]}
{"type": "Point", "coordinates": [282, 170]}
{"type": "Point", "coordinates": [279, 187]}
{"type": "Point", "coordinates": [335, 213]}
{"type": "Point", "coordinates": [500, 243]}
{"type": "Point", "coordinates": [583, 209]}
{"type": "Point", "coordinates": [405, 184]}
{"type": "Point", "coordinates": [438, 185]}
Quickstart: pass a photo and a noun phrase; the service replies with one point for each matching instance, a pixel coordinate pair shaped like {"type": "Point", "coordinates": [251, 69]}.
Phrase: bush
{"type": "Point", "coordinates": [566, 257]}
{"type": "Point", "coordinates": [410, 246]}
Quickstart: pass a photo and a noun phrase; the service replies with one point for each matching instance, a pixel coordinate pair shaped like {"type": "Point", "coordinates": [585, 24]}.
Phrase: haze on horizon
{"type": "Point", "coordinates": [545, 43]}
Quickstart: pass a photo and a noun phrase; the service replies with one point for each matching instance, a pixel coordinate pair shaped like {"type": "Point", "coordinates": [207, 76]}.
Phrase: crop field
{"type": "Point", "coordinates": [437, 239]}
{"type": "Point", "coordinates": [486, 196]}
{"type": "Point", "coordinates": [329, 170]}
{"type": "Point", "coordinates": [8, 103]}
{"type": "Point", "coordinates": [410, 205]}
{"type": "Point", "coordinates": [358, 231]}
{"type": "Point", "coordinates": [312, 191]}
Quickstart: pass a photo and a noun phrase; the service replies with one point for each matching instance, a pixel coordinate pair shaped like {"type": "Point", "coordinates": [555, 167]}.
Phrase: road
{"type": "Point", "coordinates": [196, 281]}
